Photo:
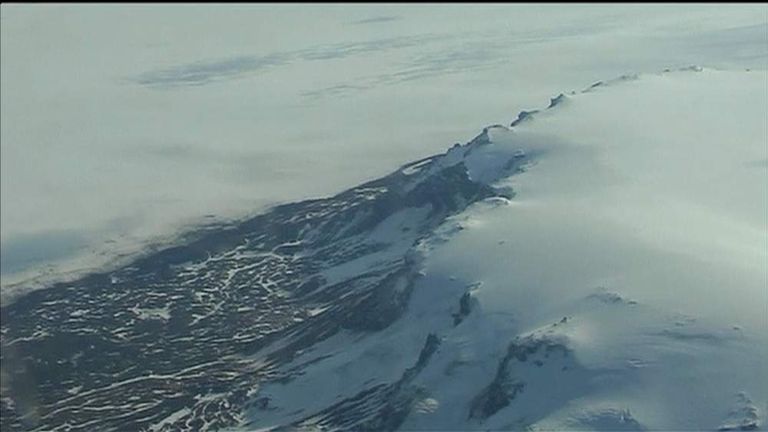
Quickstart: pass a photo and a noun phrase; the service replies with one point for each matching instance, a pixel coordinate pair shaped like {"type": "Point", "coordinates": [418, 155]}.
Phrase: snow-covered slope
{"type": "Point", "coordinates": [598, 264]}
{"type": "Point", "coordinates": [623, 287]}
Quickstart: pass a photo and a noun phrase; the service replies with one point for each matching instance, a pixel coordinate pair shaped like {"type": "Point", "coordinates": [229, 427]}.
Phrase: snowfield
{"type": "Point", "coordinates": [258, 218]}
{"type": "Point", "coordinates": [624, 286]}
{"type": "Point", "coordinates": [595, 264]}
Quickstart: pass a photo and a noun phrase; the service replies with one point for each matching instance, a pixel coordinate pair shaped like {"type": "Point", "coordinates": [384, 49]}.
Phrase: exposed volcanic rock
{"type": "Point", "coordinates": [183, 337]}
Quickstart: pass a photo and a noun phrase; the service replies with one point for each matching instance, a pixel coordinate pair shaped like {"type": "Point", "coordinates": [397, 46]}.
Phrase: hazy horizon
{"type": "Point", "coordinates": [123, 124]}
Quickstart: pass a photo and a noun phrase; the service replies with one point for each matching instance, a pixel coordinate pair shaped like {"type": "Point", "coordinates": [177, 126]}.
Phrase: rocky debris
{"type": "Point", "coordinates": [557, 100]}
{"type": "Point", "coordinates": [606, 419]}
{"type": "Point", "coordinates": [430, 347]}
{"type": "Point", "coordinates": [465, 306]}
{"type": "Point", "coordinates": [593, 86]}
{"type": "Point", "coordinates": [383, 407]}
{"type": "Point", "coordinates": [691, 68]}
{"type": "Point", "coordinates": [604, 296]}
{"type": "Point", "coordinates": [221, 312]}
{"type": "Point", "coordinates": [523, 116]}
{"type": "Point", "coordinates": [743, 417]}
{"type": "Point", "coordinates": [482, 139]}
{"type": "Point", "coordinates": [385, 303]}
{"type": "Point", "coordinates": [505, 386]}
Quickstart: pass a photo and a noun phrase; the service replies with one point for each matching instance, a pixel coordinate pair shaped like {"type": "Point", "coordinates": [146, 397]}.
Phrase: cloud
{"type": "Point", "coordinates": [488, 49]}
{"type": "Point", "coordinates": [205, 72]}
{"type": "Point", "coordinates": [460, 58]}
{"type": "Point", "coordinates": [24, 251]}
{"type": "Point", "coordinates": [456, 58]}
{"type": "Point", "coordinates": [28, 250]}
{"type": "Point", "coordinates": [377, 19]}
{"type": "Point", "coordinates": [761, 163]}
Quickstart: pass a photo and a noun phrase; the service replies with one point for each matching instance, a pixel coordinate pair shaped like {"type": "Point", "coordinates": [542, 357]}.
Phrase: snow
{"type": "Point", "coordinates": [635, 245]}
{"type": "Point", "coordinates": [636, 239]}
{"type": "Point", "coordinates": [171, 419]}
{"type": "Point", "coordinates": [645, 224]}
{"type": "Point", "coordinates": [163, 313]}
{"type": "Point", "coordinates": [116, 143]}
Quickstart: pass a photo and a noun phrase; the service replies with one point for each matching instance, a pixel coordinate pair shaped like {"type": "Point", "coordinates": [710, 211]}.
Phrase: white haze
{"type": "Point", "coordinates": [123, 124]}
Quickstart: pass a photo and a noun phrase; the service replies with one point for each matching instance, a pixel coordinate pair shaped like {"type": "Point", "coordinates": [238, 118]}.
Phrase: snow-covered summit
{"type": "Point", "coordinates": [622, 288]}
